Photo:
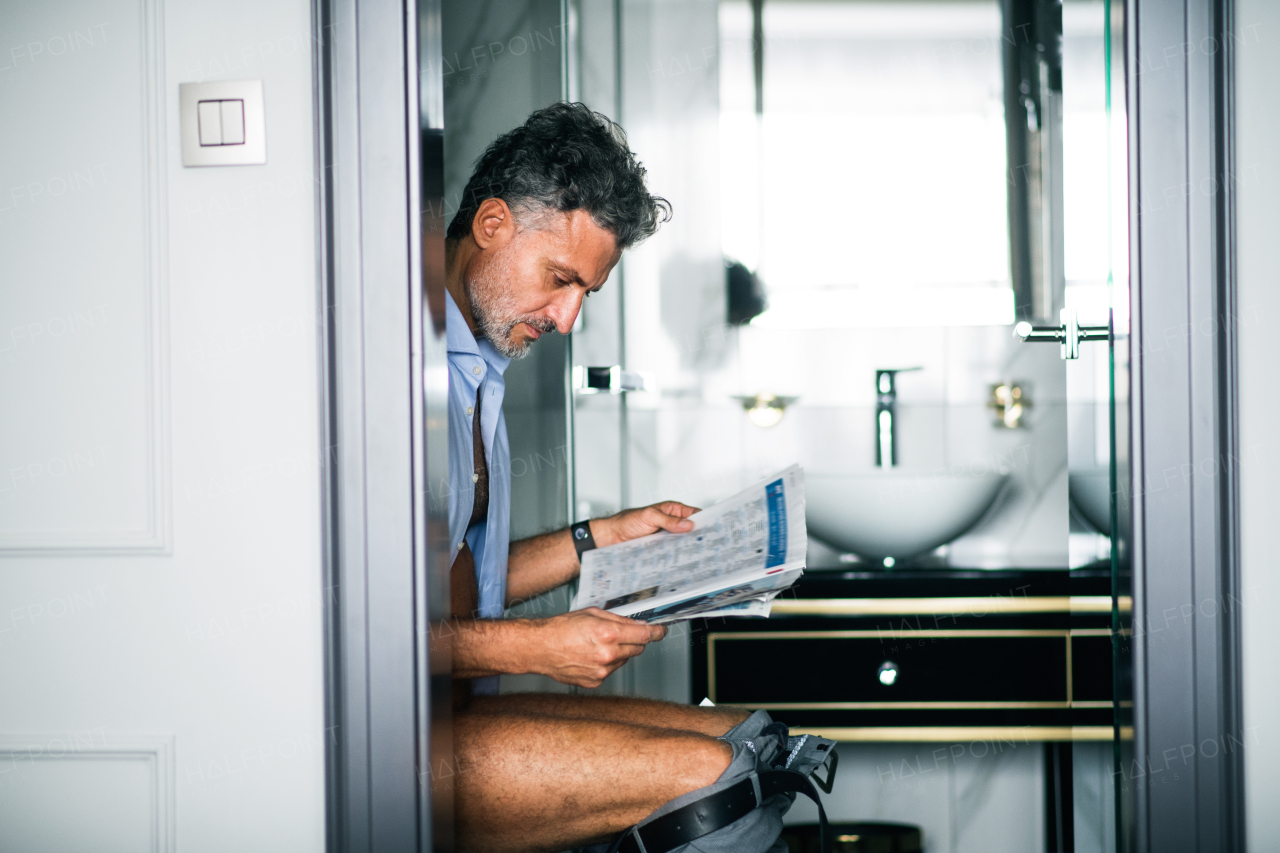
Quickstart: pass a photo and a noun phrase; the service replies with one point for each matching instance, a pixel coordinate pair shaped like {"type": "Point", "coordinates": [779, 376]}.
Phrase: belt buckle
{"type": "Point", "coordinates": [829, 765]}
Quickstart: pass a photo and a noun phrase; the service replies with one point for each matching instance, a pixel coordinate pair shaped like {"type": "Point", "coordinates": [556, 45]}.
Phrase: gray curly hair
{"type": "Point", "coordinates": [565, 157]}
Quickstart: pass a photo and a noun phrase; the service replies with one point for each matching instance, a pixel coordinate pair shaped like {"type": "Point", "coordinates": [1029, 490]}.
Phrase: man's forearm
{"type": "Point", "coordinates": [582, 647]}
{"type": "Point", "coordinates": [539, 564]}
{"type": "Point", "coordinates": [543, 563]}
{"type": "Point", "coordinates": [491, 647]}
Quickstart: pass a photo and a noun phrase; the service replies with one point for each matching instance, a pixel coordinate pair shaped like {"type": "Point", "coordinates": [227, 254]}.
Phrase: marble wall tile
{"type": "Point", "coordinates": [1094, 798]}
{"type": "Point", "coordinates": [978, 797]}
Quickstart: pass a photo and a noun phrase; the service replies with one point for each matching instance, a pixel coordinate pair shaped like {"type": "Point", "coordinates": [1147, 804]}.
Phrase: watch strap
{"type": "Point", "coordinates": [582, 539]}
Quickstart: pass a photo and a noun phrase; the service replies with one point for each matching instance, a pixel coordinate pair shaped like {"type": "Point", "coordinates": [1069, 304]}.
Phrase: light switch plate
{"type": "Point", "coordinates": [251, 152]}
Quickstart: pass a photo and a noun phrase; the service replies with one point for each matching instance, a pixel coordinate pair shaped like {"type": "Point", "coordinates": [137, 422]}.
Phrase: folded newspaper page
{"type": "Point", "coordinates": [740, 554]}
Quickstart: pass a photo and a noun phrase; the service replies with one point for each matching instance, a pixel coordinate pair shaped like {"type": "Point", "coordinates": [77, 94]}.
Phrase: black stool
{"type": "Point", "coordinates": [856, 838]}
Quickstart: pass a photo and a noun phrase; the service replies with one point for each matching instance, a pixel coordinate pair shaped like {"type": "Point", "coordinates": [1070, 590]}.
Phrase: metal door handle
{"type": "Point", "coordinates": [605, 380]}
{"type": "Point", "coordinates": [1070, 334]}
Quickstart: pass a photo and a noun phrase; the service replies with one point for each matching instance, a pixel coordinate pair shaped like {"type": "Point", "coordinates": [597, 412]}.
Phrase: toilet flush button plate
{"type": "Point", "coordinates": [223, 123]}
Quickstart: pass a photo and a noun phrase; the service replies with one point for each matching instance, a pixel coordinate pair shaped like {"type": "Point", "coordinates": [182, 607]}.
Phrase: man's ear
{"type": "Point", "coordinates": [493, 224]}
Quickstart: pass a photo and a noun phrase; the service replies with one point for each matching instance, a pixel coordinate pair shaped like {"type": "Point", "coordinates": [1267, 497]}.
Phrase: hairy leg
{"type": "Point", "coordinates": [620, 709]}
{"type": "Point", "coordinates": [536, 783]}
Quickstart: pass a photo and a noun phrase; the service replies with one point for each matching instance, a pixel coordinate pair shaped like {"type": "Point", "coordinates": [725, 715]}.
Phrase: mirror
{"type": "Point", "coordinates": [876, 142]}
{"type": "Point", "coordinates": [856, 160]}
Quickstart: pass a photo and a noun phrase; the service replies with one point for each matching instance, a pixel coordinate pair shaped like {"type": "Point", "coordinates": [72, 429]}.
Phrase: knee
{"type": "Point", "coordinates": [707, 759]}
{"type": "Point", "coordinates": [730, 717]}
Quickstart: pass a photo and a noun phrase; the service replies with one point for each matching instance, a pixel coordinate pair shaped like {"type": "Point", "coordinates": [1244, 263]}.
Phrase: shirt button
{"type": "Point", "coordinates": [475, 478]}
{"type": "Point", "coordinates": [469, 410]}
{"type": "Point", "coordinates": [476, 370]}
{"type": "Point", "coordinates": [460, 544]}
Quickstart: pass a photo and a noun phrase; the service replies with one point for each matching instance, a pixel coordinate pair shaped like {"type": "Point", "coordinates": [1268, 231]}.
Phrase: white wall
{"type": "Point", "coordinates": [1257, 184]}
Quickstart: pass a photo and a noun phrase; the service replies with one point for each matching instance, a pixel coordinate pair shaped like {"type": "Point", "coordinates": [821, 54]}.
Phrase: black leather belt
{"type": "Point", "coordinates": [716, 811]}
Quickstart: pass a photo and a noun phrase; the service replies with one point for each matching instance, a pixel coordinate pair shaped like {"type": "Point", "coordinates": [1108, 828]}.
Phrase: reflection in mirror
{"type": "Point", "coordinates": [864, 182]}
{"type": "Point", "coordinates": [880, 150]}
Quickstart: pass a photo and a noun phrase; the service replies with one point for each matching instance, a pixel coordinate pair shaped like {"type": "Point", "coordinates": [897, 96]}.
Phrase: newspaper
{"type": "Point", "coordinates": [740, 554]}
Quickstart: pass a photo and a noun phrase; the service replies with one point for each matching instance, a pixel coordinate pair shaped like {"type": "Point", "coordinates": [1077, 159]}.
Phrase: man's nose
{"type": "Point", "coordinates": [564, 311]}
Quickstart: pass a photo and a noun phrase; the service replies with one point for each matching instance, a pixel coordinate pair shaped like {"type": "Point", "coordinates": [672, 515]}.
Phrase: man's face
{"type": "Point", "coordinates": [534, 281]}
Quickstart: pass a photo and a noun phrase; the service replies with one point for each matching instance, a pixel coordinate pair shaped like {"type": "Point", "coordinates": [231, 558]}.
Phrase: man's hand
{"type": "Point", "coordinates": [580, 648]}
{"type": "Point", "coordinates": [584, 647]}
{"type": "Point", "coordinates": [633, 523]}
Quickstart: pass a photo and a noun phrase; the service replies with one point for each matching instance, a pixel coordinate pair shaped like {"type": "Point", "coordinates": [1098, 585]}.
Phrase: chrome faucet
{"type": "Point", "coordinates": [887, 416]}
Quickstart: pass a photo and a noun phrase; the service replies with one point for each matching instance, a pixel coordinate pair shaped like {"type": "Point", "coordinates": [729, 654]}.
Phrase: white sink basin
{"type": "Point", "coordinates": [895, 512]}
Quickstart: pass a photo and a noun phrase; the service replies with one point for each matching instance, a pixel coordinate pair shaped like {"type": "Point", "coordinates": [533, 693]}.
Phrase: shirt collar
{"type": "Point", "coordinates": [459, 338]}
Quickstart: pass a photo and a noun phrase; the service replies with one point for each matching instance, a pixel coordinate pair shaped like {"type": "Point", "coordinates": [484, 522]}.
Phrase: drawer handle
{"type": "Point", "coordinates": [888, 673]}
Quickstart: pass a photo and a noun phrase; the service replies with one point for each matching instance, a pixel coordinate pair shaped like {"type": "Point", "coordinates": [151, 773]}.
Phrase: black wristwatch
{"type": "Point", "coordinates": [582, 539]}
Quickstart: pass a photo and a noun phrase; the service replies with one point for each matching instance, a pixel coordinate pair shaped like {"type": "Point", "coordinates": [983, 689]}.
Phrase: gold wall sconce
{"type": "Point", "coordinates": [765, 410]}
{"type": "Point", "coordinates": [1009, 404]}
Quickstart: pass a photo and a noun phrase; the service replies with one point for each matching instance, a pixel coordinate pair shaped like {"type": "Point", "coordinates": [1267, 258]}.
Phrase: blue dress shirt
{"type": "Point", "coordinates": [474, 365]}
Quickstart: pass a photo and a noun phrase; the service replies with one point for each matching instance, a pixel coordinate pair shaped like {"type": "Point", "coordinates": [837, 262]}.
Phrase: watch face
{"type": "Point", "coordinates": [580, 533]}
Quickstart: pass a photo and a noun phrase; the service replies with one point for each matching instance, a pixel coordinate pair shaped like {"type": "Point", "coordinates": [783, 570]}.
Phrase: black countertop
{"type": "Point", "coordinates": [943, 583]}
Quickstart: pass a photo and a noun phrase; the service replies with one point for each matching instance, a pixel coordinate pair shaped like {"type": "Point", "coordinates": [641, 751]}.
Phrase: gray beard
{"type": "Point", "coordinates": [494, 308]}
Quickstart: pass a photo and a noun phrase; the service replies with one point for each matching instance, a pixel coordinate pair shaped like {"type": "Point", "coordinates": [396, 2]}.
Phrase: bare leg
{"type": "Point", "coordinates": [536, 783]}
{"type": "Point", "coordinates": [619, 709]}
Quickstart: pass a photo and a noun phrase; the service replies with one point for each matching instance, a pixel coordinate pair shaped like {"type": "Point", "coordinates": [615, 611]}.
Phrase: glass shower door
{"type": "Point", "coordinates": [1096, 295]}
{"type": "Point", "coordinates": [1078, 222]}
{"type": "Point", "coordinates": [1118, 398]}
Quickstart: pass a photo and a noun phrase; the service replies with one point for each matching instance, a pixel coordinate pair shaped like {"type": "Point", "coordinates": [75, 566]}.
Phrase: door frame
{"type": "Point", "coordinates": [381, 567]}
{"type": "Point", "coordinates": [1187, 766]}
{"type": "Point", "coordinates": [384, 399]}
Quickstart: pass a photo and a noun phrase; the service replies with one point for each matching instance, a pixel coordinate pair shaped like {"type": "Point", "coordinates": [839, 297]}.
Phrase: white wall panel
{"type": "Point", "coordinates": [86, 791]}
{"type": "Point", "coordinates": [83, 450]}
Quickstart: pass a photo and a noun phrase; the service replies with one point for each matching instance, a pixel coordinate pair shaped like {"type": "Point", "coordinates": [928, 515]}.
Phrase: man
{"type": "Point", "coordinates": [545, 218]}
